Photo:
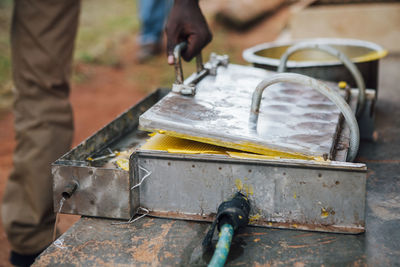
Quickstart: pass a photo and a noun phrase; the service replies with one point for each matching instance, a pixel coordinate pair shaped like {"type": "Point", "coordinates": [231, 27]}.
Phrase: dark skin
{"type": "Point", "coordinates": [187, 23]}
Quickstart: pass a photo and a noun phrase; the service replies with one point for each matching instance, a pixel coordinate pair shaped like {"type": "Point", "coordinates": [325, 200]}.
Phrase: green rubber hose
{"type": "Point", "coordinates": [222, 249]}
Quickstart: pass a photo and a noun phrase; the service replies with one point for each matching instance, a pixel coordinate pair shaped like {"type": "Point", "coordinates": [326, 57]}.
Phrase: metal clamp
{"type": "Point", "coordinates": [215, 61]}
{"type": "Point", "coordinates": [320, 87]}
{"type": "Point", "coordinates": [188, 87]}
{"type": "Point", "coordinates": [179, 86]}
{"type": "Point", "coordinates": [336, 53]}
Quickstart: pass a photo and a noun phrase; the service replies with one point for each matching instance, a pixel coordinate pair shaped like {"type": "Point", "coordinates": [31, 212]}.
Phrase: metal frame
{"type": "Point", "coordinates": [296, 194]}
{"type": "Point", "coordinates": [299, 194]}
{"type": "Point", "coordinates": [102, 191]}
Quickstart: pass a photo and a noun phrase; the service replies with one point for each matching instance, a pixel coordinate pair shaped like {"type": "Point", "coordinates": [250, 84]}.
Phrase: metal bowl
{"type": "Point", "coordinates": [317, 64]}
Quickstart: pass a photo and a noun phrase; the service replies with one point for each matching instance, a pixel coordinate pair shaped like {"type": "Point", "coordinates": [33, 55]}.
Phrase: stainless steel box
{"type": "Point", "coordinates": [285, 193]}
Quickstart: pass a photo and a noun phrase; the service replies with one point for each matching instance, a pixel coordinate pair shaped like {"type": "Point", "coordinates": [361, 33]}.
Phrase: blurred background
{"type": "Point", "coordinates": [107, 79]}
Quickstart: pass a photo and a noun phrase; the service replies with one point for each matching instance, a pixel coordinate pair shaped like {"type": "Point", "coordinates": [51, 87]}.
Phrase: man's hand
{"type": "Point", "coordinates": [187, 23]}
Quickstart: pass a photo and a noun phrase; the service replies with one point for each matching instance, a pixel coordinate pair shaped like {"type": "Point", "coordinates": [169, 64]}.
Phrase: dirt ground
{"type": "Point", "coordinates": [108, 91]}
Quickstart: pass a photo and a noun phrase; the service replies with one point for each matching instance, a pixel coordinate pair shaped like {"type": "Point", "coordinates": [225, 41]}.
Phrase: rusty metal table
{"type": "Point", "coordinates": [154, 242]}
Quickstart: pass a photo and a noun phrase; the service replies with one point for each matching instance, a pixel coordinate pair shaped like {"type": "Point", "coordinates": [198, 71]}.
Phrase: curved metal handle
{"type": "Point", "coordinates": [320, 87]}
{"type": "Point", "coordinates": [336, 53]}
{"type": "Point", "coordinates": [178, 62]}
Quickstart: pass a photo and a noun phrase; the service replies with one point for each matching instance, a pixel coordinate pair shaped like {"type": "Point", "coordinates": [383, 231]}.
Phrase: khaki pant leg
{"type": "Point", "coordinates": [42, 42]}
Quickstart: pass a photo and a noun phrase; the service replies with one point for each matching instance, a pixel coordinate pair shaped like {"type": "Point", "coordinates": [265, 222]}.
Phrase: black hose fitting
{"type": "Point", "coordinates": [70, 189]}
{"type": "Point", "coordinates": [234, 212]}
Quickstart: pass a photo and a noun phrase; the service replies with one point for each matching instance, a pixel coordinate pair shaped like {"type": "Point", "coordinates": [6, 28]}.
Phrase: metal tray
{"type": "Point", "coordinates": [299, 194]}
{"type": "Point", "coordinates": [103, 189]}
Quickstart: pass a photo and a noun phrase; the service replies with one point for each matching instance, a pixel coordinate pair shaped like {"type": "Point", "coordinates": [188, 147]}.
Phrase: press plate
{"type": "Point", "coordinates": [293, 118]}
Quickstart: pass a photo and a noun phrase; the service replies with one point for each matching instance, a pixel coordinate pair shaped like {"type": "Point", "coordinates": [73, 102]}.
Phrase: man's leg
{"type": "Point", "coordinates": [152, 14]}
{"type": "Point", "coordinates": [42, 42]}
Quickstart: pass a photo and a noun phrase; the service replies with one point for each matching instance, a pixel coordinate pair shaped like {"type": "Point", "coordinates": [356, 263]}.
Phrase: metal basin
{"type": "Point", "coordinates": [317, 64]}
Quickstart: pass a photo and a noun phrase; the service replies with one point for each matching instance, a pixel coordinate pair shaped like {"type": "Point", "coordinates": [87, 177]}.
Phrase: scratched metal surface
{"type": "Point", "coordinates": [104, 189]}
{"type": "Point", "coordinates": [293, 118]}
{"type": "Point", "coordinates": [178, 243]}
{"type": "Point", "coordinates": [147, 242]}
{"type": "Point", "coordinates": [291, 194]}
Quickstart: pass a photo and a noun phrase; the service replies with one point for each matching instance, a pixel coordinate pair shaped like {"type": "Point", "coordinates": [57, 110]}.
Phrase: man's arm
{"type": "Point", "coordinates": [187, 23]}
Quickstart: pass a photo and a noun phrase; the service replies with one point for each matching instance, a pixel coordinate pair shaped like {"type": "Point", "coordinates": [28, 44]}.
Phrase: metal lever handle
{"type": "Point", "coordinates": [320, 87]}
{"type": "Point", "coordinates": [336, 53]}
{"type": "Point", "coordinates": [178, 62]}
